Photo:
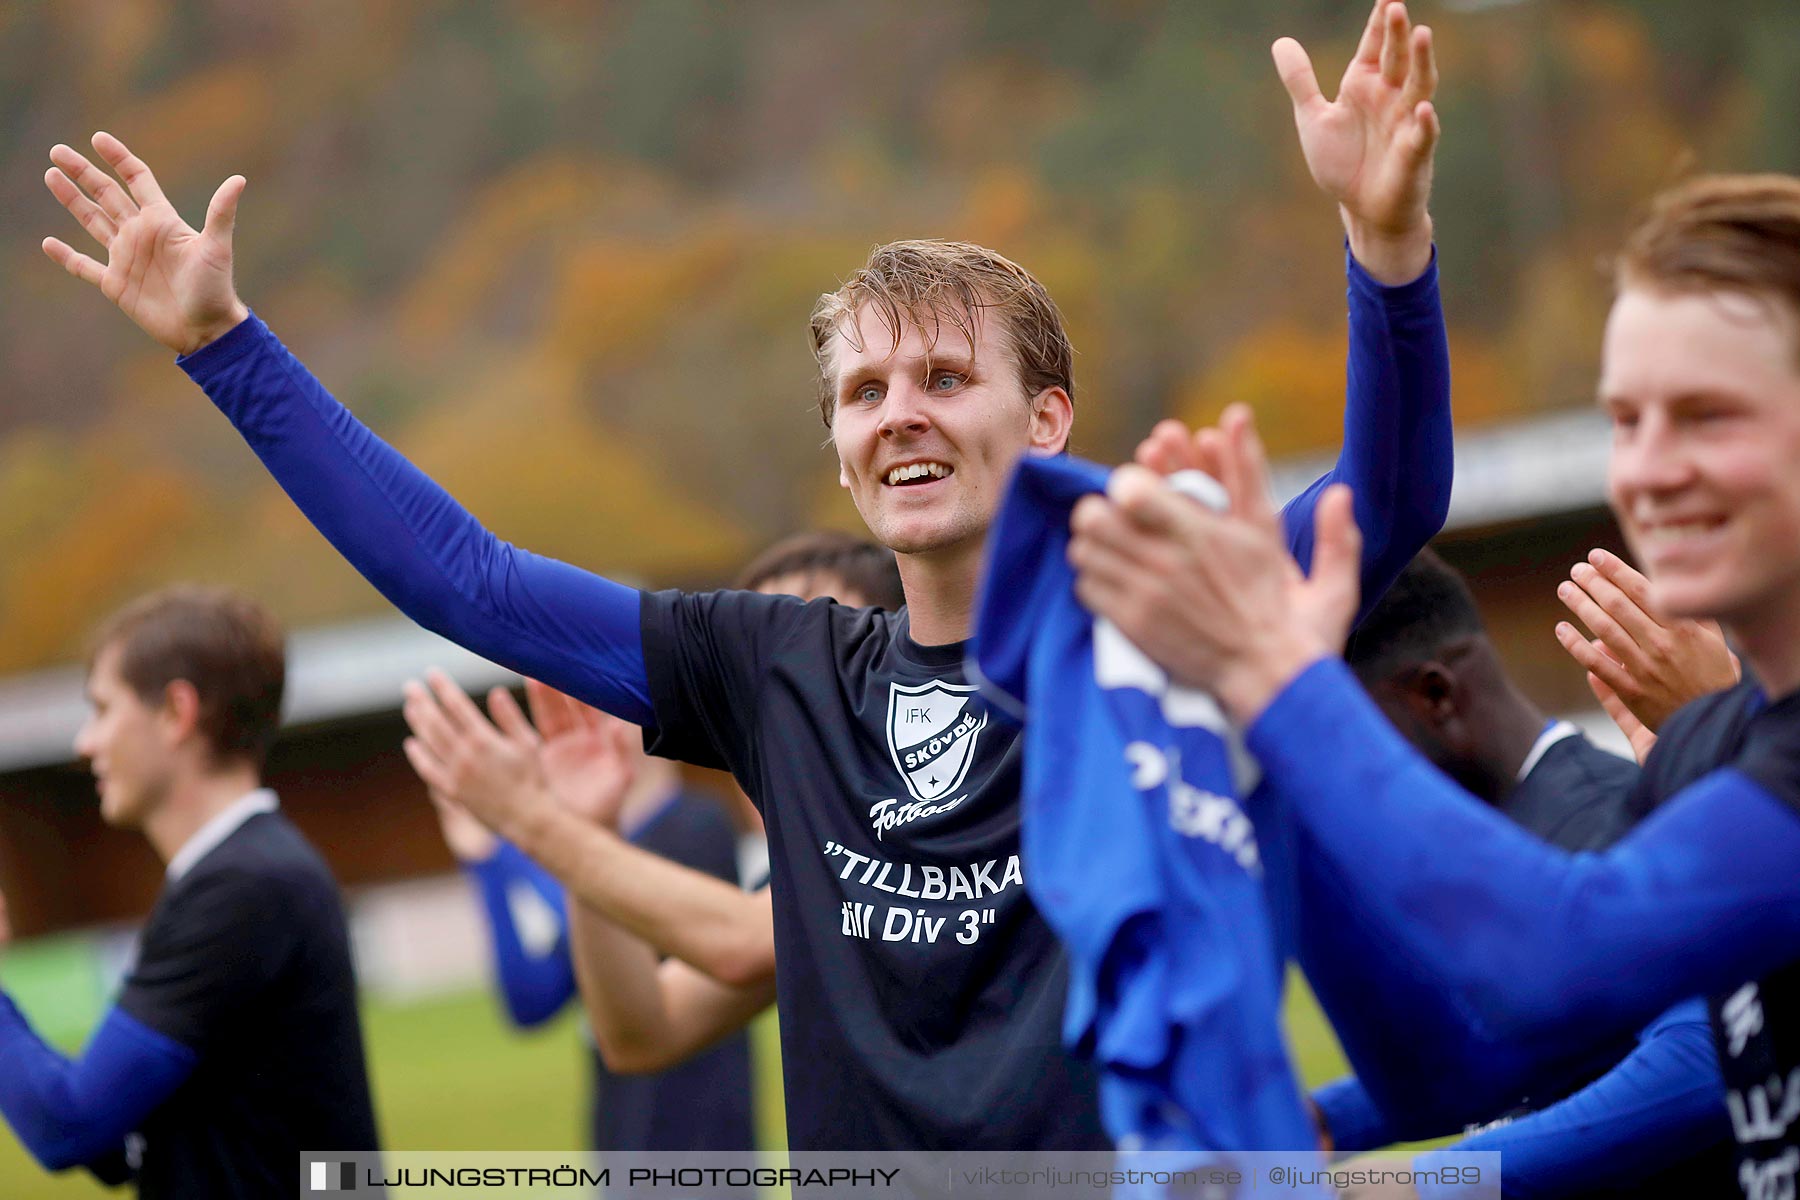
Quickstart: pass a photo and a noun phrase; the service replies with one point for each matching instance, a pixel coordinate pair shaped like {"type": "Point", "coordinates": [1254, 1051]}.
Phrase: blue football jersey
{"type": "Point", "coordinates": [1141, 851]}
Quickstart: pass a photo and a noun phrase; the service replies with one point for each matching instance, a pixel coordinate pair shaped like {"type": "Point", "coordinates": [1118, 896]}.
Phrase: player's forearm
{"type": "Point", "coordinates": [1397, 455]}
{"type": "Point", "coordinates": [409, 538]}
{"type": "Point", "coordinates": [533, 986]}
{"type": "Point", "coordinates": [681, 912]}
{"type": "Point", "coordinates": [1391, 257]}
{"type": "Point", "coordinates": [649, 1016]}
{"type": "Point", "coordinates": [1464, 957]}
{"type": "Point", "coordinates": [617, 974]}
{"type": "Point", "coordinates": [68, 1113]}
{"type": "Point", "coordinates": [1659, 1107]}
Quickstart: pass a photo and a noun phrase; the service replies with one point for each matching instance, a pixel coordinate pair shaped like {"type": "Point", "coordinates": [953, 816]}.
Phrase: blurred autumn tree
{"type": "Point", "coordinates": [563, 253]}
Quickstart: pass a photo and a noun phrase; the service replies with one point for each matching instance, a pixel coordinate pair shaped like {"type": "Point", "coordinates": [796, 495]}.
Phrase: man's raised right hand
{"type": "Point", "coordinates": [173, 280]}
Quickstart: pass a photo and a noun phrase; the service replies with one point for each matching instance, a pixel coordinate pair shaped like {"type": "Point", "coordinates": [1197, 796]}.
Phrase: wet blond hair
{"type": "Point", "coordinates": [928, 284]}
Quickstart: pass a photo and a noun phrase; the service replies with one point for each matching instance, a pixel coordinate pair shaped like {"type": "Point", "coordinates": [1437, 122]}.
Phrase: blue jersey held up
{"type": "Point", "coordinates": [1138, 851]}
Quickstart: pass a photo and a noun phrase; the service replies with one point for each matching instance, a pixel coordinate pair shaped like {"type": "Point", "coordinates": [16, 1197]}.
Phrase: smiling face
{"type": "Point", "coordinates": [129, 745]}
{"type": "Point", "coordinates": [927, 434]}
{"type": "Point", "coordinates": [1703, 389]}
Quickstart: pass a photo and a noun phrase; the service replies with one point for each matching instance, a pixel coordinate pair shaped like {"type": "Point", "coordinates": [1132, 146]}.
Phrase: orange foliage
{"type": "Point", "coordinates": [507, 215]}
{"type": "Point", "coordinates": [37, 489]}
{"type": "Point", "coordinates": [113, 36]}
{"type": "Point", "coordinates": [1554, 340]}
{"type": "Point", "coordinates": [220, 113]}
{"type": "Point", "coordinates": [1612, 48]}
{"type": "Point", "coordinates": [1002, 204]}
{"type": "Point", "coordinates": [536, 470]}
{"type": "Point", "coordinates": [614, 296]}
{"type": "Point", "coordinates": [566, 268]}
{"type": "Point", "coordinates": [1293, 378]}
{"type": "Point", "coordinates": [50, 597]}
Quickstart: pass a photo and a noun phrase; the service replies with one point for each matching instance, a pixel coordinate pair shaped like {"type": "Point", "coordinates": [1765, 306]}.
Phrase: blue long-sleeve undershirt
{"type": "Point", "coordinates": [435, 562]}
{"type": "Point", "coordinates": [418, 546]}
{"type": "Point", "coordinates": [1656, 1108]}
{"type": "Point", "coordinates": [68, 1113]}
{"type": "Point", "coordinates": [1465, 960]}
{"type": "Point", "coordinates": [1660, 1106]}
{"type": "Point", "coordinates": [534, 985]}
{"type": "Point", "coordinates": [1397, 455]}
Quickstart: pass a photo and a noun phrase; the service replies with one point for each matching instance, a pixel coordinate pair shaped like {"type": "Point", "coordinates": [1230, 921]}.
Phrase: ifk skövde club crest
{"type": "Point", "coordinates": [931, 733]}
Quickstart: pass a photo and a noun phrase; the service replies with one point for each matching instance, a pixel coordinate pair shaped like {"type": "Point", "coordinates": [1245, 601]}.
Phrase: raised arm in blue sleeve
{"type": "Point", "coordinates": [421, 549]}
{"type": "Point", "coordinates": [1396, 455]}
{"type": "Point", "coordinates": [68, 1113]}
{"type": "Point", "coordinates": [1464, 959]}
{"type": "Point", "coordinates": [535, 986]}
{"type": "Point", "coordinates": [1661, 1106]}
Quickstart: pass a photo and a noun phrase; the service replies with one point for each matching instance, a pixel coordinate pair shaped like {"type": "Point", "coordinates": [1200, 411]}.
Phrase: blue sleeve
{"type": "Point", "coordinates": [1396, 455]}
{"type": "Point", "coordinates": [1352, 1117]}
{"type": "Point", "coordinates": [407, 536]}
{"type": "Point", "coordinates": [1662, 1105]}
{"type": "Point", "coordinates": [1464, 959]}
{"type": "Point", "coordinates": [534, 986]}
{"type": "Point", "coordinates": [68, 1113]}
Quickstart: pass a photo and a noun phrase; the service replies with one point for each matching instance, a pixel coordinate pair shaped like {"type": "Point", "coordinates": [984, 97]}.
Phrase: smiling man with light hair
{"type": "Point", "coordinates": [1466, 962]}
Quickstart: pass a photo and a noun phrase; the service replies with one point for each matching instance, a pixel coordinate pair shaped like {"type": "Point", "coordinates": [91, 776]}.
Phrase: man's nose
{"type": "Point", "coordinates": [904, 411]}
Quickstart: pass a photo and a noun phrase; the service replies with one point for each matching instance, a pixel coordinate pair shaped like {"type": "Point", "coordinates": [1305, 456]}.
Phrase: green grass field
{"type": "Point", "coordinates": [450, 1074]}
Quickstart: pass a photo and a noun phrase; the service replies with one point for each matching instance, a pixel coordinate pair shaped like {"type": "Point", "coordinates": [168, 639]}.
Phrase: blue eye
{"type": "Point", "coordinates": [868, 394]}
{"type": "Point", "coordinates": [946, 381]}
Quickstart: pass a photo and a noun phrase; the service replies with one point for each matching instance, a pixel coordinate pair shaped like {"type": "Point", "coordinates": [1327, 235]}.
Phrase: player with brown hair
{"type": "Point", "coordinates": [234, 1044]}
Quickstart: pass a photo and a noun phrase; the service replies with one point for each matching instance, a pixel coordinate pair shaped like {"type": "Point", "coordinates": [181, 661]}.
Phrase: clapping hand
{"type": "Point", "coordinates": [490, 768]}
{"type": "Point", "coordinates": [589, 757]}
{"type": "Point", "coordinates": [1215, 598]}
{"type": "Point", "coordinates": [1641, 666]}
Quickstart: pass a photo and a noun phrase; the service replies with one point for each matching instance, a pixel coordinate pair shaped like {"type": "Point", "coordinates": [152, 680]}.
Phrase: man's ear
{"type": "Point", "coordinates": [180, 710]}
{"type": "Point", "coordinates": [1434, 694]}
{"type": "Point", "coordinates": [1052, 417]}
{"type": "Point", "coordinates": [843, 477]}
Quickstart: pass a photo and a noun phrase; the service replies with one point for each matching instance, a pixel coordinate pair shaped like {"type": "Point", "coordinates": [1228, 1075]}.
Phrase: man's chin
{"type": "Point", "coordinates": [918, 536]}
{"type": "Point", "coordinates": [1698, 598]}
{"type": "Point", "coordinates": [118, 814]}
{"type": "Point", "coordinates": [924, 542]}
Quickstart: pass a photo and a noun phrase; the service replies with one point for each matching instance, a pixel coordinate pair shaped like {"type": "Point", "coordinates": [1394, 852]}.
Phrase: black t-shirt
{"type": "Point", "coordinates": [1574, 796]}
{"type": "Point", "coordinates": [920, 993]}
{"type": "Point", "coordinates": [1756, 1026]}
{"type": "Point", "coordinates": [703, 1103]}
{"type": "Point", "coordinates": [246, 961]}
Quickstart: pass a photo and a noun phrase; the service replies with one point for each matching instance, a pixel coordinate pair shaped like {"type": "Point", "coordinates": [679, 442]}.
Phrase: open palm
{"type": "Point", "coordinates": [173, 280]}
{"type": "Point", "coordinates": [1371, 148]}
{"type": "Point", "coordinates": [589, 758]}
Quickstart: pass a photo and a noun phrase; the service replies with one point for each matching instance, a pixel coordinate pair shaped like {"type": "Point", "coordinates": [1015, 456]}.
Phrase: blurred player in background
{"type": "Point", "coordinates": [905, 1022]}
{"type": "Point", "coordinates": [703, 1104]}
{"type": "Point", "coordinates": [235, 1043]}
{"type": "Point", "coordinates": [649, 1005]}
{"type": "Point", "coordinates": [1466, 959]}
{"type": "Point", "coordinates": [638, 1005]}
{"type": "Point", "coordinates": [1424, 657]}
